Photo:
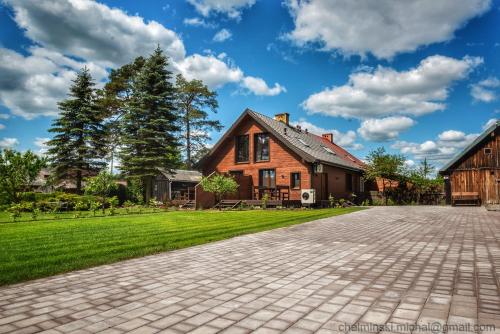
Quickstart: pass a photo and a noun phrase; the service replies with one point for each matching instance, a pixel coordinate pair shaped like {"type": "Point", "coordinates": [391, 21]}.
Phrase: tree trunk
{"type": "Point", "coordinates": [188, 140]}
{"type": "Point", "coordinates": [148, 186]}
{"type": "Point", "coordinates": [79, 181]}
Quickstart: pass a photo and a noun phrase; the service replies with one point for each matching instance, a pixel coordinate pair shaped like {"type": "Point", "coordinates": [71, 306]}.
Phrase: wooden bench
{"type": "Point", "coordinates": [465, 198]}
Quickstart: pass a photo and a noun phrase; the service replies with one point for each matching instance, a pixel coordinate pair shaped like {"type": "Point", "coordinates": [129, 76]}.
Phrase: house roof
{"type": "Point", "coordinates": [310, 147]}
{"type": "Point", "coordinates": [182, 175]}
{"type": "Point", "coordinates": [470, 147]}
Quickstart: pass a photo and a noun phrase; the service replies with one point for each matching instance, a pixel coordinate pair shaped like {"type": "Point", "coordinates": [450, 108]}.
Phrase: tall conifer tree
{"type": "Point", "coordinates": [194, 99]}
{"type": "Point", "coordinates": [78, 145]}
{"type": "Point", "coordinates": [150, 130]}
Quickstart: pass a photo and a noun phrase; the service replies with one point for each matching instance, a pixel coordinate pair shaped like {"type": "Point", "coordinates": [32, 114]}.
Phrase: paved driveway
{"type": "Point", "coordinates": [393, 266]}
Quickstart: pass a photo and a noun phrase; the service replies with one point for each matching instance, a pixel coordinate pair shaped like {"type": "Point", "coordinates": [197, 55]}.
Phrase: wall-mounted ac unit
{"type": "Point", "coordinates": [308, 196]}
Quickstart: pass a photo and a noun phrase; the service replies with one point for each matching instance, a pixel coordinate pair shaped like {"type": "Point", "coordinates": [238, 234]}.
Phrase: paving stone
{"type": "Point", "coordinates": [383, 266]}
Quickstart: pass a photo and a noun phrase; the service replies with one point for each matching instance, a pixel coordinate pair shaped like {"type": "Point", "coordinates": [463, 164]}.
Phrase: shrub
{"type": "Point", "coordinates": [15, 211]}
{"type": "Point", "coordinates": [264, 200]}
{"type": "Point", "coordinates": [94, 206]}
{"type": "Point", "coordinates": [128, 206]}
{"type": "Point", "coordinates": [113, 203]}
{"type": "Point", "coordinates": [219, 185]}
{"type": "Point", "coordinates": [331, 201]}
{"type": "Point", "coordinates": [35, 213]}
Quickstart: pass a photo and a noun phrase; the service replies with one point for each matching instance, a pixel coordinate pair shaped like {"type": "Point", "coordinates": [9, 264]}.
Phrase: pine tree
{"type": "Point", "coordinates": [113, 100]}
{"type": "Point", "coordinates": [78, 145]}
{"type": "Point", "coordinates": [193, 100]}
{"type": "Point", "coordinates": [149, 134]}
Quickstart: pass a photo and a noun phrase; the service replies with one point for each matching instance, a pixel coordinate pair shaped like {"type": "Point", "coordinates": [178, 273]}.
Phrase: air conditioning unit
{"type": "Point", "coordinates": [308, 196]}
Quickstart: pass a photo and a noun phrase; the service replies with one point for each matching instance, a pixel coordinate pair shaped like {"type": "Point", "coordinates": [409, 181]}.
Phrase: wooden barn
{"type": "Point", "coordinates": [270, 156]}
{"type": "Point", "coordinates": [473, 176]}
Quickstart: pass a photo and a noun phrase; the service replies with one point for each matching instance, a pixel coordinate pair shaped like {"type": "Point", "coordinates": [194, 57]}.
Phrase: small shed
{"type": "Point", "coordinates": [177, 184]}
{"type": "Point", "coordinates": [473, 175]}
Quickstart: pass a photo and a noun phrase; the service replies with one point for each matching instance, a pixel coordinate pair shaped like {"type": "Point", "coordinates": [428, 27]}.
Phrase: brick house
{"type": "Point", "coordinates": [268, 155]}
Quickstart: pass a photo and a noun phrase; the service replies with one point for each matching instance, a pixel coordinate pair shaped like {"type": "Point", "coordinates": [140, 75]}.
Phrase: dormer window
{"type": "Point", "coordinates": [242, 148]}
{"type": "Point", "coordinates": [261, 146]}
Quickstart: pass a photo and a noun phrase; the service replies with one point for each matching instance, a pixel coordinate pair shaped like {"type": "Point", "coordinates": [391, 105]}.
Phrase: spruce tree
{"type": "Point", "coordinates": [149, 134]}
{"type": "Point", "coordinates": [194, 99]}
{"type": "Point", "coordinates": [78, 145]}
{"type": "Point", "coordinates": [113, 100]}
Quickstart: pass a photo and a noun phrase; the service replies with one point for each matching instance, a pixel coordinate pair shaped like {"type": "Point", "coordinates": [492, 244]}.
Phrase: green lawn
{"type": "Point", "coordinates": [26, 216]}
{"type": "Point", "coordinates": [31, 250]}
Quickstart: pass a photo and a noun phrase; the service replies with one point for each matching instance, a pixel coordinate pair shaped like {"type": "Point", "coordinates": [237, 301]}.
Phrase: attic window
{"type": "Point", "coordinates": [303, 142]}
{"type": "Point", "coordinates": [487, 150]}
{"type": "Point", "coordinates": [328, 150]}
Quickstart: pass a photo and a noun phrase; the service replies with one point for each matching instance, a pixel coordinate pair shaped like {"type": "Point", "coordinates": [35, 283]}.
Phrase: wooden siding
{"type": "Point", "coordinates": [282, 159]}
{"type": "Point", "coordinates": [479, 172]}
{"type": "Point", "coordinates": [333, 181]}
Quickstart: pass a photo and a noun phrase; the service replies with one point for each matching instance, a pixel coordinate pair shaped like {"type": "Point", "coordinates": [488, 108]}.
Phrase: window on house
{"type": "Point", "coordinates": [348, 182]}
{"type": "Point", "coordinates": [261, 145]}
{"type": "Point", "coordinates": [267, 178]}
{"type": "Point", "coordinates": [487, 150]}
{"type": "Point", "coordinates": [295, 180]}
{"type": "Point", "coordinates": [242, 148]}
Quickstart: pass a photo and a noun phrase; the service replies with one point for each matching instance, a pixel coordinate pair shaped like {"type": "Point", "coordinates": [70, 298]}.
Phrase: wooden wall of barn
{"type": "Point", "coordinates": [479, 171]}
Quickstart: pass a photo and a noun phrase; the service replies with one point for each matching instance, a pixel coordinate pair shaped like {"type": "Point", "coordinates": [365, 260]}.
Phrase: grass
{"type": "Point", "coordinates": [30, 250]}
{"type": "Point", "coordinates": [26, 216]}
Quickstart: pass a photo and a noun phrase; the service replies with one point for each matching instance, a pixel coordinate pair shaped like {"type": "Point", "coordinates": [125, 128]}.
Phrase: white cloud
{"type": "Point", "coordinates": [259, 87]}
{"type": "Point", "coordinates": [383, 28]}
{"type": "Point", "coordinates": [93, 31]}
{"type": "Point", "coordinates": [343, 139]}
{"type": "Point", "coordinates": [409, 163]}
{"type": "Point", "coordinates": [385, 91]}
{"type": "Point", "coordinates": [222, 35]}
{"type": "Point", "coordinates": [32, 85]}
{"type": "Point", "coordinates": [198, 22]}
{"type": "Point", "coordinates": [8, 142]}
{"type": "Point", "coordinates": [4, 116]}
{"type": "Point", "coordinates": [384, 129]}
{"type": "Point", "coordinates": [485, 90]}
{"type": "Point", "coordinates": [489, 123]}
{"type": "Point", "coordinates": [231, 8]}
{"type": "Point", "coordinates": [77, 33]}
{"type": "Point", "coordinates": [213, 71]}
{"type": "Point", "coordinates": [448, 144]}
{"type": "Point", "coordinates": [41, 143]}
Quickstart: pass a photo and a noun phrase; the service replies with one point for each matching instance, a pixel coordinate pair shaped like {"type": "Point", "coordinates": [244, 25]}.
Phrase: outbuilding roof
{"type": "Point", "coordinates": [470, 147]}
{"type": "Point", "coordinates": [182, 175]}
{"type": "Point", "coordinates": [310, 147]}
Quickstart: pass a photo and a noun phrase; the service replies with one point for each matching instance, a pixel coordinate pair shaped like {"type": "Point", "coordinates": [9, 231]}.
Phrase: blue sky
{"type": "Point", "coordinates": [420, 78]}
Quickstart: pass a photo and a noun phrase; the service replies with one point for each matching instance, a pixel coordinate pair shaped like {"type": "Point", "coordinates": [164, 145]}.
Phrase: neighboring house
{"type": "Point", "coordinates": [44, 183]}
{"type": "Point", "coordinates": [268, 155]}
{"type": "Point", "coordinates": [175, 185]}
{"type": "Point", "coordinates": [473, 175]}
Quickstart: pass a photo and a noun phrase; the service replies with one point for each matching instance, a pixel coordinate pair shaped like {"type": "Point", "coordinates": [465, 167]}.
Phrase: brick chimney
{"type": "Point", "coordinates": [328, 136]}
{"type": "Point", "coordinates": [283, 117]}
